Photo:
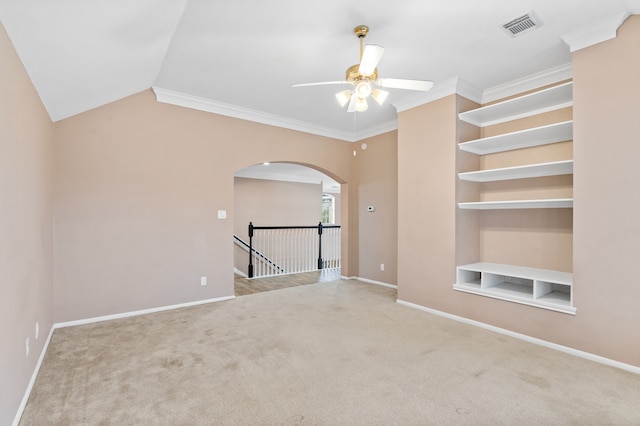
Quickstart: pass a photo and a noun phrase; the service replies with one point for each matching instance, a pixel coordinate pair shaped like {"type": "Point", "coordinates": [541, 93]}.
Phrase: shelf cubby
{"type": "Point", "coordinates": [530, 286]}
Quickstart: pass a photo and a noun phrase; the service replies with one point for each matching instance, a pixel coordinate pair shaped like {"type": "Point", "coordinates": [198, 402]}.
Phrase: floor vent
{"type": "Point", "coordinates": [523, 24]}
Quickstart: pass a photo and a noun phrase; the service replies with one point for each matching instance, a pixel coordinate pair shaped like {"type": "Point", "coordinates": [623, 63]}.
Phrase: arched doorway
{"type": "Point", "coordinates": [291, 196]}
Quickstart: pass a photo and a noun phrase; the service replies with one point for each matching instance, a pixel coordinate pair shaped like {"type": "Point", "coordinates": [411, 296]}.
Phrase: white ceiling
{"type": "Point", "coordinates": [241, 57]}
{"type": "Point", "coordinates": [291, 173]}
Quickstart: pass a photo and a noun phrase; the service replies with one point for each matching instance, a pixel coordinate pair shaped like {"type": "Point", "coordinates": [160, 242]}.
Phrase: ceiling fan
{"type": "Point", "coordinates": [364, 78]}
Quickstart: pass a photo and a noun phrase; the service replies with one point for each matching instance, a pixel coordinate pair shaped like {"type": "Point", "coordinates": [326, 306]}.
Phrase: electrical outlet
{"type": "Point", "coordinates": [203, 280]}
{"type": "Point", "coordinates": [37, 329]}
{"type": "Point", "coordinates": [382, 266]}
{"type": "Point", "coordinates": [27, 346]}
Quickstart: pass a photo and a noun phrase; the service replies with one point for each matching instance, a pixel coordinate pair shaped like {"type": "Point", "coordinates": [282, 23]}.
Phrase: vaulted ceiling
{"type": "Point", "coordinates": [241, 57]}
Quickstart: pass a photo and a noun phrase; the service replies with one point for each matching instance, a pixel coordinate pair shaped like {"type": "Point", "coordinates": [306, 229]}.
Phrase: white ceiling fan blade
{"type": "Point", "coordinates": [352, 103]}
{"type": "Point", "coordinates": [370, 58]}
{"type": "Point", "coordinates": [397, 83]}
{"type": "Point", "coordinates": [322, 83]}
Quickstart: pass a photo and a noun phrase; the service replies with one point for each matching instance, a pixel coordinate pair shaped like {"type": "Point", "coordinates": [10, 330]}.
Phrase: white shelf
{"type": "Point", "coordinates": [553, 98]}
{"type": "Point", "coordinates": [542, 288]}
{"type": "Point", "coordinates": [544, 135]}
{"type": "Point", "coordinates": [554, 168]}
{"type": "Point", "coordinates": [557, 203]}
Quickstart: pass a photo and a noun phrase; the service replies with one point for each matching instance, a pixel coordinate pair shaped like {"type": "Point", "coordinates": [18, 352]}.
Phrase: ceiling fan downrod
{"type": "Point", "coordinates": [361, 31]}
{"type": "Point", "coordinates": [353, 72]}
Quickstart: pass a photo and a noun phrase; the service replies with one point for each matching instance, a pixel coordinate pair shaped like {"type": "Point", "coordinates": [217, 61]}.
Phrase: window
{"type": "Point", "coordinates": [328, 209]}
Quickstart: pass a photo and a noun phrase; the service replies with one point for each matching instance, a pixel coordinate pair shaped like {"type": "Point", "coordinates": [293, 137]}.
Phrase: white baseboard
{"type": "Point", "coordinates": [366, 280]}
{"type": "Point", "coordinates": [141, 312]}
{"type": "Point", "coordinates": [534, 340]}
{"type": "Point", "coordinates": [36, 370]}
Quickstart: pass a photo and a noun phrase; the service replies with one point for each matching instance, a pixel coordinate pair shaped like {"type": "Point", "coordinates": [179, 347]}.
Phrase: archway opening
{"type": "Point", "coordinates": [294, 199]}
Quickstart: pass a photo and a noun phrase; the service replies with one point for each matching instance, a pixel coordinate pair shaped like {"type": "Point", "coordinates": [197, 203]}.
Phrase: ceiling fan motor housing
{"type": "Point", "coordinates": [353, 76]}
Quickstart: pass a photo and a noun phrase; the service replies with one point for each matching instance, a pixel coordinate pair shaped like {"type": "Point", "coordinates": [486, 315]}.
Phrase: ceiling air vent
{"type": "Point", "coordinates": [523, 24]}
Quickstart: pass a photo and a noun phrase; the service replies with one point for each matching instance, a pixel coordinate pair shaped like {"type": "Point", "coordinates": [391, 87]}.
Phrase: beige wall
{"type": "Point", "coordinates": [603, 223]}
{"type": "Point", "coordinates": [607, 195]}
{"type": "Point", "coordinates": [26, 293]}
{"type": "Point", "coordinates": [138, 187]}
{"type": "Point", "coordinates": [426, 203]}
{"type": "Point", "coordinates": [273, 203]}
{"type": "Point", "coordinates": [337, 205]}
{"type": "Point", "coordinates": [376, 173]}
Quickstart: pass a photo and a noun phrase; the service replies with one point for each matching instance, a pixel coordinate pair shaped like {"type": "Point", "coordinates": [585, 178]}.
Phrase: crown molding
{"type": "Point", "coordinates": [531, 82]}
{"type": "Point", "coordinates": [180, 99]}
{"type": "Point", "coordinates": [443, 89]}
{"type": "Point", "coordinates": [469, 91]}
{"type": "Point", "coordinates": [370, 132]}
{"type": "Point", "coordinates": [605, 30]}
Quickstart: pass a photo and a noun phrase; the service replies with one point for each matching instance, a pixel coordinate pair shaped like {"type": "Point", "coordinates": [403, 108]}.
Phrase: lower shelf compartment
{"type": "Point", "coordinates": [541, 288]}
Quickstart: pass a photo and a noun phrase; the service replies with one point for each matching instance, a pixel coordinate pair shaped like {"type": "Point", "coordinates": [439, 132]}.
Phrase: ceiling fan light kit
{"type": "Point", "coordinates": [361, 105]}
{"type": "Point", "coordinates": [364, 78]}
{"type": "Point", "coordinates": [363, 89]}
{"type": "Point", "coordinates": [379, 95]}
{"type": "Point", "coordinates": [343, 97]}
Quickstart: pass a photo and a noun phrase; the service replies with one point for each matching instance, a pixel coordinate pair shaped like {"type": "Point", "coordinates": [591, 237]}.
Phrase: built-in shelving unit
{"type": "Point", "coordinates": [529, 286]}
{"type": "Point", "coordinates": [535, 287]}
{"type": "Point", "coordinates": [556, 97]}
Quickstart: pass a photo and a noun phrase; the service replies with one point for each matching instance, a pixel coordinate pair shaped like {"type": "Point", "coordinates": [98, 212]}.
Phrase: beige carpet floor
{"type": "Point", "coordinates": [334, 353]}
{"type": "Point", "coordinates": [244, 286]}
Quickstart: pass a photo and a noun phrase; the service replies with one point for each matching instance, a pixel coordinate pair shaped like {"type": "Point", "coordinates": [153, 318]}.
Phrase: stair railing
{"type": "Point", "coordinates": [259, 255]}
{"type": "Point", "coordinates": [275, 250]}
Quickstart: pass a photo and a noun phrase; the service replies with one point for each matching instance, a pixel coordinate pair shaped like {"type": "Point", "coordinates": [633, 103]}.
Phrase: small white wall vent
{"type": "Point", "coordinates": [523, 24]}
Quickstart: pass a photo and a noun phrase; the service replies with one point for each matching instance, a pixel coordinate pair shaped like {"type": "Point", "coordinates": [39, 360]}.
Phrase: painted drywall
{"type": "Point", "coordinates": [26, 231]}
{"type": "Point", "coordinates": [138, 185]}
{"type": "Point", "coordinates": [337, 205]}
{"type": "Point", "coordinates": [607, 197]}
{"type": "Point", "coordinates": [375, 170]}
{"type": "Point", "coordinates": [426, 203]}
{"type": "Point", "coordinates": [275, 203]}
{"type": "Point", "coordinates": [604, 218]}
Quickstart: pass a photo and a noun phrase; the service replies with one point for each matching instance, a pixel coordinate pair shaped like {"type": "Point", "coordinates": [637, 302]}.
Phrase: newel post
{"type": "Point", "coordinates": [320, 263]}
{"type": "Point", "coordinates": [250, 268]}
